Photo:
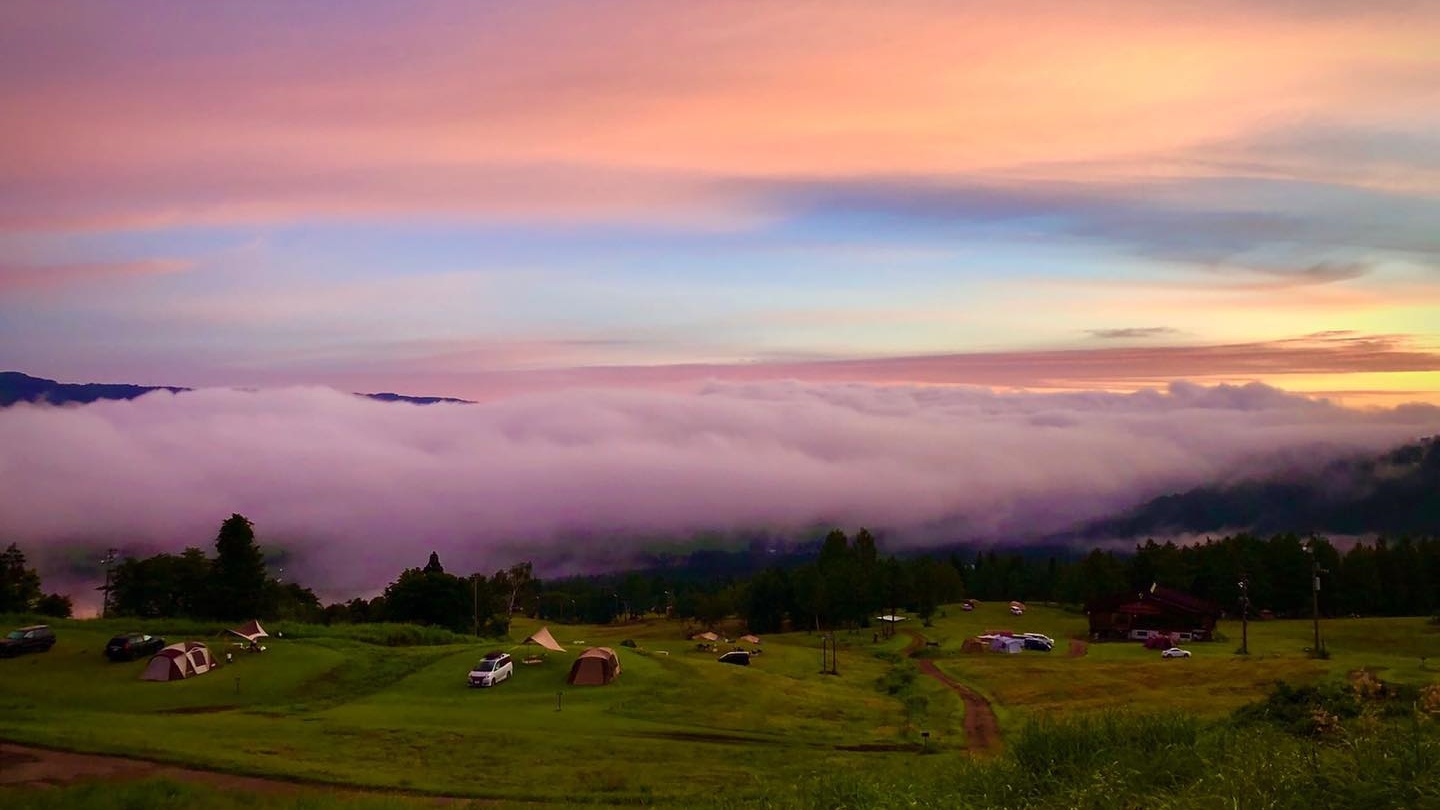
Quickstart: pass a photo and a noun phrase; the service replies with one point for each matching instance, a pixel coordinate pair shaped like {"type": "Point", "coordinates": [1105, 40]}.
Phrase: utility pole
{"type": "Point", "coordinates": [475, 603]}
{"type": "Point", "coordinates": [1244, 614]}
{"type": "Point", "coordinates": [1315, 572]}
{"type": "Point", "coordinates": [109, 560]}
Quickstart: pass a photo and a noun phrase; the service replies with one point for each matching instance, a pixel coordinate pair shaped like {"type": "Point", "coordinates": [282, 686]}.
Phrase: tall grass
{"type": "Point", "coordinates": [1157, 762]}
{"type": "Point", "coordinates": [1156, 749]}
{"type": "Point", "coordinates": [383, 633]}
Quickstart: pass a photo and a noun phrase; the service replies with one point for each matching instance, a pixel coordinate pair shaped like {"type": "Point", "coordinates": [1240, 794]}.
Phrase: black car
{"type": "Point", "coordinates": [129, 646]}
{"type": "Point", "coordinates": [37, 638]}
{"type": "Point", "coordinates": [737, 657]}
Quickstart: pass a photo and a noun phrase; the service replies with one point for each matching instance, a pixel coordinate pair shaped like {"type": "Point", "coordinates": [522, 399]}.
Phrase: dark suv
{"type": "Point", "coordinates": [129, 646]}
{"type": "Point", "coordinates": [37, 638]}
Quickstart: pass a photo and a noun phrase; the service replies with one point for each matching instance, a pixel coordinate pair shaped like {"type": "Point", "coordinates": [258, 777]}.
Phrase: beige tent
{"type": "Point", "coordinates": [596, 666]}
{"type": "Point", "coordinates": [706, 636]}
{"type": "Point", "coordinates": [184, 660]}
{"type": "Point", "coordinates": [544, 639]}
{"type": "Point", "coordinates": [750, 639]}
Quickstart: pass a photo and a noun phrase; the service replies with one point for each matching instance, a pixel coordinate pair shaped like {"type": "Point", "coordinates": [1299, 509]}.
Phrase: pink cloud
{"type": "Point", "coordinates": [19, 277]}
{"type": "Point", "coordinates": [120, 119]}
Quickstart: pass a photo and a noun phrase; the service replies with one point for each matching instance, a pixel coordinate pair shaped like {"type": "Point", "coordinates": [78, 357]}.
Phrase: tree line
{"type": "Point", "coordinates": [20, 588]}
{"type": "Point", "coordinates": [846, 583]}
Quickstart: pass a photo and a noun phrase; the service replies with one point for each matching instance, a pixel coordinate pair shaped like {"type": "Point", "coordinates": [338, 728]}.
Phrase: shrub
{"type": "Point", "coordinates": [899, 679]}
{"type": "Point", "coordinates": [1304, 710]}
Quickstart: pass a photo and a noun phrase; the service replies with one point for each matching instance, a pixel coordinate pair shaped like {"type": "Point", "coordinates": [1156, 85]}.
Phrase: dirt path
{"type": "Point", "coordinates": [25, 766]}
{"type": "Point", "coordinates": [982, 730]}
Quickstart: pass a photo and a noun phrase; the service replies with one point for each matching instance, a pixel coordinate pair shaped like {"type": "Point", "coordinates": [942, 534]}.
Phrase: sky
{"type": "Point", "coordinates": [491, 199]}
{"type": "Point", "coordinates": [941, 268]}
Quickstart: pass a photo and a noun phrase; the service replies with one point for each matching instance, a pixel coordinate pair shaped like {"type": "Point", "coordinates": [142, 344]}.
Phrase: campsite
{"type": "Point", "coordinates": [321, 707]}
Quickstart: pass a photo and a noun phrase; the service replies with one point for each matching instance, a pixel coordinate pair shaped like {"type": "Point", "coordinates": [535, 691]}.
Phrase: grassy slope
{"type": "Point", "coordinates": [338, 710]}
{"type": "Point", "coordinates": [677, 726]}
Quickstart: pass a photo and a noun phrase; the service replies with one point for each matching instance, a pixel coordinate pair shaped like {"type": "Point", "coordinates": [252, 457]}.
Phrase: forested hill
{"type": "Point", "coordinates": [1395, 494]}
{"type": "Point", "coordinates": [16, 387]}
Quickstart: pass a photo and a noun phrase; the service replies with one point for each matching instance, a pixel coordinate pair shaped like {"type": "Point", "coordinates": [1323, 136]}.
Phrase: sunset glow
{"type": "Point", "coordinates": [482, 200]}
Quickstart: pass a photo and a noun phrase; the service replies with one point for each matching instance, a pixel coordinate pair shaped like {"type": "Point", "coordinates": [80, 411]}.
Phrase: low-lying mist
{"type": "Point", "coordinates": [355, 490]}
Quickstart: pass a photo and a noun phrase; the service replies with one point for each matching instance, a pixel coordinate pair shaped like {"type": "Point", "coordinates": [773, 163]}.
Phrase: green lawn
{"type": "Point", "coordinates": [1212, 682]}
{"type": "Point", "coordinates": [674, 724]}
{"type": "Point", "coordinates": [675, 727]}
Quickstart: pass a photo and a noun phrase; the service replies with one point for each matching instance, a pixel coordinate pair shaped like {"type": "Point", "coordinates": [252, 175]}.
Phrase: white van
{"type": "Point", "coordinates": [492, 669]}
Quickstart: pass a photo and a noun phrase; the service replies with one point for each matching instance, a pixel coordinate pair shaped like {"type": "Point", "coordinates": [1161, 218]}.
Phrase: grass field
{"type": "Point", "coordinates": [675, 727]}
{"type": "Point", "coordinates": [1212, 682]}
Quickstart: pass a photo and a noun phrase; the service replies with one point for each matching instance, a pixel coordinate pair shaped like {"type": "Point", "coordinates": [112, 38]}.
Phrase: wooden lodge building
{"type": "Point", "coordinates": [1158, 611]}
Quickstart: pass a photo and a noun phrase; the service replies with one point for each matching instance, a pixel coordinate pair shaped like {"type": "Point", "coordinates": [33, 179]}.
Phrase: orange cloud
{"type": "Point", "coordinates": [1361, 366]}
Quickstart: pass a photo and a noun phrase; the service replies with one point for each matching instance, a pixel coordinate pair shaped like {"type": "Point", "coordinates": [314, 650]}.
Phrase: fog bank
{"type": "Point", "coordinates": [355, 490]}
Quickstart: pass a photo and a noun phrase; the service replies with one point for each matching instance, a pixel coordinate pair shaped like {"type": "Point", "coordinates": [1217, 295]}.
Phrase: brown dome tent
{"type": "Point", "coordinates": [179, 661]}
{"type": "Point", "coordinates": [596, 666]}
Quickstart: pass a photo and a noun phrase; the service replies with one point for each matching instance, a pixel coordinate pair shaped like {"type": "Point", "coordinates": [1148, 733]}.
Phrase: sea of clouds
{"type": "Point", "coordinates": [355, 490]}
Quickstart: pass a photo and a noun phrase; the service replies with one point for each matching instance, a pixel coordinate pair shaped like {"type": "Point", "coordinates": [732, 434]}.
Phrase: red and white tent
{"type": "Point", "coordinates": [179, 661]}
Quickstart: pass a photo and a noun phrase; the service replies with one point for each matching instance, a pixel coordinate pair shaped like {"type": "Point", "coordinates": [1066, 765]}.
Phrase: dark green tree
{"type": "Point", "coordinates": [433, 566]}
{"type": "Point", "coordinates": [288, 600]}
{"type": "Point", "coordinates": [765, 601]}
{"type": "Point", "coordinates": [516, 583]}
{"type": "Point", "coordinates": [163, 585]}
{"type": "Point", "coordinates": [238, 573]}
{"type": "Point", "coordinates": [711, 608]}
{"type": "Point", "coordinates": [431, 597]}
{"type": "Point", "coordinates": [53, 604]}
{"type": "Point", "coordinates": [19, 584]}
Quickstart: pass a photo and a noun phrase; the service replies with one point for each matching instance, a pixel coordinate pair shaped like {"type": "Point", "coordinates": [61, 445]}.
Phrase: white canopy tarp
{"type": "Point", "coordinates": [543, 638]}
{"type": "Point", "coordinates": [251, 631]}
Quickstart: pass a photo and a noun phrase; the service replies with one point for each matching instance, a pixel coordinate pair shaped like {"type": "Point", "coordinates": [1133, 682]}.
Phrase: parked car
{"type": "Point", "coordinates": [129, 646]}
{"type": "Point", "coordinates": [738, 657]}
{"type": "Point", "coordinates": [36, 638]}
{"type": "Point", "coordinates": [1175, 652]}
{"type": "Point", "coordinates": [493, 669]}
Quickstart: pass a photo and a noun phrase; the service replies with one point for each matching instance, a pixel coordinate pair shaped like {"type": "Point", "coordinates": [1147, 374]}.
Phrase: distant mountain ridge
{"type": "Point", "coordinates": [1397, 493]}
{"type": "Point", "coordinates": [17, 387]}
